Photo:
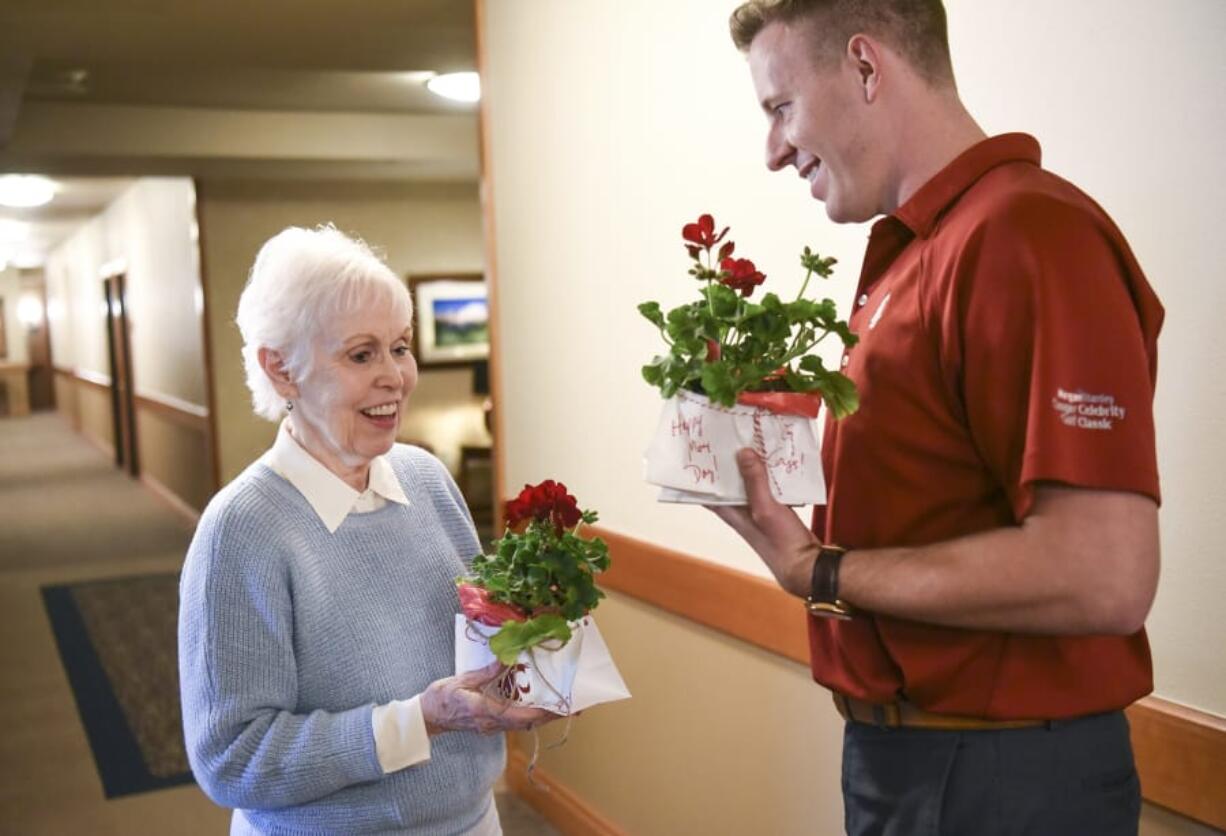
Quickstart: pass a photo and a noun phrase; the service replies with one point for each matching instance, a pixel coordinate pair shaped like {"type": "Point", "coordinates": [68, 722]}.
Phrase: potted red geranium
{"type": "Point", "coordinates": [528, 604]}
{"type": "Point", "coordinates": [739, 373]}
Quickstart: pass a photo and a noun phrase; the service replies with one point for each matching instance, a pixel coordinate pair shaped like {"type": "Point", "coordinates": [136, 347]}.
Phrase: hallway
{"type": "Point", "coordinates": [68, 515]}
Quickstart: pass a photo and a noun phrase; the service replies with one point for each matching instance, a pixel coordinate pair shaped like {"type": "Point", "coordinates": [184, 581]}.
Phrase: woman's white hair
{"type": "Point", "coordinates": [301, 279]}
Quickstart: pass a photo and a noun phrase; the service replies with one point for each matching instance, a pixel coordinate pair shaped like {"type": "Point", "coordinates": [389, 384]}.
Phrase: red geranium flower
{"type": "Point", "coordinates": [547, 502]}
{"type": "Point", "coordinates": [741, 275]}
{"type": "Point", "coordinates": [702, 234]}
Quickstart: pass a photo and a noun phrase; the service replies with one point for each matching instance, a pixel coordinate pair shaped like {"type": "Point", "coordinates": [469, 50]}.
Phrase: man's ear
{"type": "Point", "coordinates": [273, 365]}
{"type": "Point", "coordinates": [866, 56]}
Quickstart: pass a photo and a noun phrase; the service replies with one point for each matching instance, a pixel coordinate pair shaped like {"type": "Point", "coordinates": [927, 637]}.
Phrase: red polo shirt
{"type": "Point", "coordinates": [1007, 337]}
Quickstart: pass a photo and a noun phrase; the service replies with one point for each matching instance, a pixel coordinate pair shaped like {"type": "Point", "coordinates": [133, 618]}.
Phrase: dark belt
{"type": "Point", "coordinates": [903, 714]}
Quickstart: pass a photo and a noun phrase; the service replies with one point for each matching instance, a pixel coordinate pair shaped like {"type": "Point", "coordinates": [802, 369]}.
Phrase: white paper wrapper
{"type": "Point", "coordinates": [576, 676]}
{"type": "Point", "coordinates": [692, 456]}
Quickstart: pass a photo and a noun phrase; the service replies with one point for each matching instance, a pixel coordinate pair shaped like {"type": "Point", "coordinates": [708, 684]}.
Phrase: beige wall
{"type": "Point", "coordinates": [654, 121]}
{"type": "Point", "coordinates": [94, 417]}
{"type": "Point", "coordinates": [421, 228]}
{"type": "Point", "coordinates": [14, 349]}
{"type": "Point", "coordinates": [149, 234]}
{"type": "Point", "coordinates": [701, 748]}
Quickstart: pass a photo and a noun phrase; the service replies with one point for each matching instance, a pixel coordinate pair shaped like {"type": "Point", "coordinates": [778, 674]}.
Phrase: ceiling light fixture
{"type": "Point", "coordinates": [28, 260]}
{"type": "Point", "coordinates": [30, 311]}
{"type": "Point", "coordinates": [24, 191]}
{"type": "Point", "coordinates": [459, 87]}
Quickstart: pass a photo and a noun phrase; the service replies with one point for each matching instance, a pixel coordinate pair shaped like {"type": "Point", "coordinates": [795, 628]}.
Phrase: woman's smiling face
{"type": "Point", "coordinates": [348, 406]}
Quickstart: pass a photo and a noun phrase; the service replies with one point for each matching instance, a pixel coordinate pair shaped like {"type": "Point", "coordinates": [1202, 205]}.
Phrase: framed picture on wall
{"type": "Point", "coordinates": [451, 319]}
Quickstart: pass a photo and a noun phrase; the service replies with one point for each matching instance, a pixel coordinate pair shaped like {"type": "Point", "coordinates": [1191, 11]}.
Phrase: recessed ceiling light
{"type": "Point", "coordinates": [30, 311]}
{"type": "Point", "coordinates": [28, 260]}
{"type": "Point", "coordinates": [23, 191]}
{"type": "Point", "coordinates": [459, 87]}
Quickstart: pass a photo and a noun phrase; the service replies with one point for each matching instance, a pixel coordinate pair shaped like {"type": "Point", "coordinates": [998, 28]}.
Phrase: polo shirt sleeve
{"type": "Point", "coordinates": [1056, 370]}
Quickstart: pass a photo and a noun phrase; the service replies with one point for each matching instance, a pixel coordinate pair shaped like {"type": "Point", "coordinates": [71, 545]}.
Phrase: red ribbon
{"type": "Point", "coordinates": [783, 403]}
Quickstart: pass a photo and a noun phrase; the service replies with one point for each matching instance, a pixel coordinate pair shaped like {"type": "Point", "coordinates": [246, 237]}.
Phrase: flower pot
{"type": "Point", "coordinates": [559, 678]}
{"type": "Point", "coordinates": [692, 456]}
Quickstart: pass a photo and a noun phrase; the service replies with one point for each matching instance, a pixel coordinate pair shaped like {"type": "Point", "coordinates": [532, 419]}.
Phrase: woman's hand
{"type": "Point", "coordinates": [460, 703]}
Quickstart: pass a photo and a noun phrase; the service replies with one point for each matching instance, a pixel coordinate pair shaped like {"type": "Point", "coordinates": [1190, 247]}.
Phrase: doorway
{"type": "Point", "coordinates": [123, 407]}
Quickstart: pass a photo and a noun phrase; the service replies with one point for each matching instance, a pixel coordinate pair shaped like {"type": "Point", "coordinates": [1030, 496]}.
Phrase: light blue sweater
{"type": "Point", "coordinates": [289, 636]}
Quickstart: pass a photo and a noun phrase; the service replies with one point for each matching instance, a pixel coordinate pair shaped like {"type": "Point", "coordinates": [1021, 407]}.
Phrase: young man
{"type": "Point", "coordinates": [997, 491]}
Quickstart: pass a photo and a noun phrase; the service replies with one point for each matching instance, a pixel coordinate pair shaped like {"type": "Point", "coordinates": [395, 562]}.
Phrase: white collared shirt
{"type": "Point", "coordinates": [331, 497]}
{"type": "Point", "coordinates": [399, 727]}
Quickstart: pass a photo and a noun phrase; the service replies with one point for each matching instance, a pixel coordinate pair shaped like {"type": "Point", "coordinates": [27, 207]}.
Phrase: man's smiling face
{"type": "Point", "coordinates": [818, 118]}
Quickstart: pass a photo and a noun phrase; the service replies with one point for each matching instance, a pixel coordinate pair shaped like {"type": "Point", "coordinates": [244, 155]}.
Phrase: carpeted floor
{"type": "Point", "coordinates": [63, 503]}
{"type": "Point", "coordinates": [117, 642]}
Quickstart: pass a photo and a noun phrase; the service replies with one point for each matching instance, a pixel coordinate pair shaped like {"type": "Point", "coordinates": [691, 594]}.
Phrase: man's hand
{"type": "Point", "coordinates": [781, 539]}
{"type": "Point", "coordinates": [460, 703]}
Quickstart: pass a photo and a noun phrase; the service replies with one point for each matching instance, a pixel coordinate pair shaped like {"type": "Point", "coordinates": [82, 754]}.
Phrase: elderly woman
{"type": "Point", "coordinates": [317, 600]}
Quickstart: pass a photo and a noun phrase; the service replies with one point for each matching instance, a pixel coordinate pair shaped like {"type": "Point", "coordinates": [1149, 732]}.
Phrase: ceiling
{"type": "Point", "coordinates": [302, 89]}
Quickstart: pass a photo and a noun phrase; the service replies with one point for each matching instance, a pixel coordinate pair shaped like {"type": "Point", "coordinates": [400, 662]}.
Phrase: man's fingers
{"type": "Point", "coordinates": [757, 481]}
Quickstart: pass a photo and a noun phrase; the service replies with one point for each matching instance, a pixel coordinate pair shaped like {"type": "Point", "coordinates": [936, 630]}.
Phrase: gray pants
{"type": "Point", "coordinates": [1074, 777]}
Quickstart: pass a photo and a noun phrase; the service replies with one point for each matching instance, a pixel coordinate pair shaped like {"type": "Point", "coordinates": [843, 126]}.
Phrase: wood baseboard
{"type": "Point", "coordinates": [171, 500]}
{"type": "Point", "coordinates": [555, 801]}
{"type": "Point", "coordinates": [1180, 751]}
{"type": "Point", "coordinates": [1181, 758]}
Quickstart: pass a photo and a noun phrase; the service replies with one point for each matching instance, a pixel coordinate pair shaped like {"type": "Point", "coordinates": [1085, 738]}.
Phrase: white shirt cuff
{"type": "Point", "coordinates": [400, 734]}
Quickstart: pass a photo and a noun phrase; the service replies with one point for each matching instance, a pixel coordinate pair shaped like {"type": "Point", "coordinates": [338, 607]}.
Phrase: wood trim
{"type": "Point", "coordinates": [210, 388]}
{"type": "Point", "coordinates": [98, 444]}
{"type": "Point", "coordinates": [189, 415]}
{"type": "Point", "coordinates": [555, 801]}
{"type": "Point", "coordinates": [170, 499]}
{"type": "Point", "coordinates": [185, 414]}
{"type": "Point", "coordinates": [1181, 758]}
{"type": "Point", "coordinates": [750, 608]}
{"type": "Point", "coordinates": [97, 380]}
{"type": "Point", "coordinates": [1180, 751]}
{"type": "Point", "coordinates": [486, 187]}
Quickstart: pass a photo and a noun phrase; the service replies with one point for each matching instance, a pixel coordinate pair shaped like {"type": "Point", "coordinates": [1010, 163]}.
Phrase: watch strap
{"type": "Point", "coordinates": [823, 597]}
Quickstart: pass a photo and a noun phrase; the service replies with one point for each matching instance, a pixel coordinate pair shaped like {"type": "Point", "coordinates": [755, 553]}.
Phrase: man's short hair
{"type": "Point", "coordinates": [916, 28]}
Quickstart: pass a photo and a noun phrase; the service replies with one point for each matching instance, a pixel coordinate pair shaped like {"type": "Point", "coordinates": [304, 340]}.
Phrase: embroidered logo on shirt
{"type": "Point", "coordinates": [1087, 411]}
{"type": "Point", "coordinates": [872, 323]}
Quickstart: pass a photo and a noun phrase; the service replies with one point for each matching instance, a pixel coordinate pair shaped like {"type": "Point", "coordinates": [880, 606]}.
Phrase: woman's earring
{"type": "Point", "coordinates": [289, 406]}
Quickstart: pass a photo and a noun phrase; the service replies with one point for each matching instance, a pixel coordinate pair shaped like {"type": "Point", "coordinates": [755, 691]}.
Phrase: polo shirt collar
{"type": "Point", "coordinates": [921, 212]}
{"type": "Point", "coordinates": [328, 494]}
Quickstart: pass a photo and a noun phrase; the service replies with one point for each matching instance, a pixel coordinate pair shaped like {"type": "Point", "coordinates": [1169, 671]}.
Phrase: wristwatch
{"type": "Point", "coordinates": [823, 597]}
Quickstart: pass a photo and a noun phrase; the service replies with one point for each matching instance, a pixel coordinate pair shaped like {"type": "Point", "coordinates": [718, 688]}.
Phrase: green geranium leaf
{"type": "Point", "coordinates": [839, 393]}
{"type": "Point", "coordinates": [517, 636]}
{"type": "Point", "coordinates": [717, 382]}
{"type": "Point", "coordinates": [651, 310]}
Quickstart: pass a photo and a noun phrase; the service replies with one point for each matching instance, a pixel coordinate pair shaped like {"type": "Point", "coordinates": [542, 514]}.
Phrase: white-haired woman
{"type": "Point", "coordinates": [317, 599]}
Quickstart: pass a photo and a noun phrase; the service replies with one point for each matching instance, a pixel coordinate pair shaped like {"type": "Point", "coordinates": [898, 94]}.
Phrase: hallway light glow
{"type": "Point", "coordinates": [459, 87]}
{"type": "Point", "coordinates": [28, 260]}
{"type": "Point", "coordinates": [13, 231]}
{"type": "Point", "coordinates": [30, 311]}
{"type": "Point", "coordinates": [24, 191]}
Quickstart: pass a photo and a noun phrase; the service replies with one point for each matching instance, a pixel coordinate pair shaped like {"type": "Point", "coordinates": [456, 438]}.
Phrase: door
{"type": "Point", "coordinates": [123, 409]}
{"type": "Point", "coordinates": [38, 348]}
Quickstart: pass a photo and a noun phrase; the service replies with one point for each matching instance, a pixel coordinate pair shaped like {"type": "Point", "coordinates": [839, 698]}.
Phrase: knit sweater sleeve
{"type": "Point", "coordinates": [247, 746]}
